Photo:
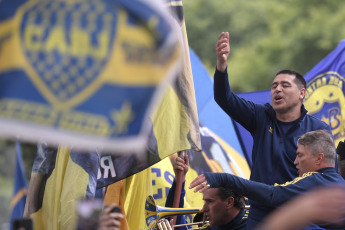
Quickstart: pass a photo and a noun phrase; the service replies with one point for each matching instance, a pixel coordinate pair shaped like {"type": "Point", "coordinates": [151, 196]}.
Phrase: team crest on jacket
{"type": "Point", "coordinates": [325, 100]}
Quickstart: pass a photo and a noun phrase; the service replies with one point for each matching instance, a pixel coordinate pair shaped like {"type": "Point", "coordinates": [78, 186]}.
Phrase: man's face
{"type": "Point", "coordinates": [305, 161]}
{"type": "Point", "coordinates": [285, 94]}
{"type": "Point", "coordinates": [214, 208]}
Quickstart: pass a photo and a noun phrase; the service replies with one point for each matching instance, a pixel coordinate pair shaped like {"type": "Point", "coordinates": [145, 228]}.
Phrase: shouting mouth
{"type": "Point", "coordinates": [278, 99]}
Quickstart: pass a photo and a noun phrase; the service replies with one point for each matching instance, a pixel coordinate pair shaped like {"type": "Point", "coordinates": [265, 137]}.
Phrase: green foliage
{"type": "Point", "coordinates": [265, 36]}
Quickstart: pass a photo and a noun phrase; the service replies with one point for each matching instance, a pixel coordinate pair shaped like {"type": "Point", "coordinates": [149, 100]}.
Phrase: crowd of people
{"type": "Point", "coordinates": [294, 160]}
{"type": "Point", "coordinates": [297, 174]}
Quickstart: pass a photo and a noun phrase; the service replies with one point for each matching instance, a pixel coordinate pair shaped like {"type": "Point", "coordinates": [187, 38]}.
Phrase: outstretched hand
{"type": "Point", "coordinates": [222, 50]}
{"type": "Point", "coordinates": [200, 184]}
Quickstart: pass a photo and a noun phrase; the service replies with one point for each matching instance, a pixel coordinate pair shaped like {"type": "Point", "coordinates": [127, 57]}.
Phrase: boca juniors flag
{"type": "Point", "coordinates": [83, 73]}
{"type": "Point", "coordinates": [324, 98]}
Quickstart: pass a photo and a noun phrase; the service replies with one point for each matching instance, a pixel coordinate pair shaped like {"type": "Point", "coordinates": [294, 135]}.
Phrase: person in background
{"type": "Point", "coordinates": [275, 127]}
{"type": "Point", "coordinates": [223, 208]}
{"type": "Point", "coordinates": [341, 158]}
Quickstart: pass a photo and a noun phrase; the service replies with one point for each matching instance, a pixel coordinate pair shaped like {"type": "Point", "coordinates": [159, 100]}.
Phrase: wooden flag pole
{"type": "Point", "coordinates": [179, 178]}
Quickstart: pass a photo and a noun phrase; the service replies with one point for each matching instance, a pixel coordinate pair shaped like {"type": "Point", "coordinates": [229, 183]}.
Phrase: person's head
{"type": "Point", "coordinates": [221, 205]}
{"type": "Point", "coordinates": [341, 158]}
{"type": "Point", "coordinates": [287, 91]}
{"type": "Point", "coordinates": [315, 150]}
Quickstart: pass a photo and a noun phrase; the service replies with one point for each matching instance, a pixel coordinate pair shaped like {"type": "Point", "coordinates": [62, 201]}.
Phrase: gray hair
{"type": "Point", "coordinates": [319, 141]}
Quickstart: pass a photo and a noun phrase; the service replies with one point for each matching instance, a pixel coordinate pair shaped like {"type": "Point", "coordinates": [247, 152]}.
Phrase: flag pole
{"type": "Point", "coordinates": [179, 178]}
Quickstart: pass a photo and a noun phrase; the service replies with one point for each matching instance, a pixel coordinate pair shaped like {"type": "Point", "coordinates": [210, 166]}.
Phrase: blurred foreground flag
{"type": "Point", "coordinates": [20, 187]}
{"type": "Point", "coordinates": [175, 124]}
{"type": "Point", "coordinates": [84, 73]}
{"type": "Point", "coordinates": [325, 98]}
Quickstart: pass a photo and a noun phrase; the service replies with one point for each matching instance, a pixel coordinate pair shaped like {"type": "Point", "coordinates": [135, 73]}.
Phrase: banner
{"type": "Point", "coordinates": [85, 74]}
{"type": "Point", "coordinates": [175, 124]}
{"type": "Point", "coordinates": [325, 98]}
{"type": "Point", "coordinates": [174, 128]}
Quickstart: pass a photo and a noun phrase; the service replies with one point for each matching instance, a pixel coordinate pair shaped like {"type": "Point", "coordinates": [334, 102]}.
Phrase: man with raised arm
{"type": "Point", "coordinates": [275, 127]}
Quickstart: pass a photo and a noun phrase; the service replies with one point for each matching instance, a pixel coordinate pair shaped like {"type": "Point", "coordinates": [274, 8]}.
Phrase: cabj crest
{"type": "Point", "coordinates": [325, 100]}
{"type": "Point", "coordinates": [67, 45]}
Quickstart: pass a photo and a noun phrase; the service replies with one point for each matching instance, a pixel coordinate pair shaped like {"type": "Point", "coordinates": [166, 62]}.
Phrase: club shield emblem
{"type": "Point", "coordinates": [325, 100]}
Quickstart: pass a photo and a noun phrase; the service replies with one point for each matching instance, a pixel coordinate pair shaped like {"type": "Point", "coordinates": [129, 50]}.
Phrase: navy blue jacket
{"type": "Point", "coordinates": [238, 223]}
{"type": "Point", "coordinates": [277, 194]}
{"type": "Point", "coordinates": [273, 150]}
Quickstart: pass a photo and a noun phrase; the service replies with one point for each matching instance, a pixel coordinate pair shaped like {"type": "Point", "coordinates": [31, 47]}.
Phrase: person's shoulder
{"type": "Point", "coordinates": [316, 121]}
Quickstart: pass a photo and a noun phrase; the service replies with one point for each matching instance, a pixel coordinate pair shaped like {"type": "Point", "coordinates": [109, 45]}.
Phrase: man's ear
{"type": "Point", "coordinates": [302, 93]}
{"type": "Point", "coordinates": [319, 158]}
{"type": "Point", "coordinates": [230, 202]}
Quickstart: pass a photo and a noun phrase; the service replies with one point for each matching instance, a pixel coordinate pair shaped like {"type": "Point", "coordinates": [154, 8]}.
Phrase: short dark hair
{"type": "Point", "coordinates": [299, 79]}
{"type": "Point", "coordinates": [224, 193]}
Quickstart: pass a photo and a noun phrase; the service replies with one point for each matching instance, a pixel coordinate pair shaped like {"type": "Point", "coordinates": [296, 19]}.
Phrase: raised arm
{"type": "Point", "coordinates": [223, 51]}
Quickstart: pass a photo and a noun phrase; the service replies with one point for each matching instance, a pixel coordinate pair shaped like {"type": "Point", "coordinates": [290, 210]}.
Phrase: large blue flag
{"type": "Point", "coordinates": [324, 98]}
{"type": "Point", "coordinates": [20, 187]}
{"type": "Point", "coordinates": [84, 73]}
{"type": "Point", "coordinates": [326, 89]}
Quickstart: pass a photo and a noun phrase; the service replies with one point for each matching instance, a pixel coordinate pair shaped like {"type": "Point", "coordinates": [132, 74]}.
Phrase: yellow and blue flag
{"type": "Point", "coordinates": [172, 130]}
{"type": "Point", "coordinates": [20, 187]}
{"type": "Point", "coordinates": [175, 128]}
{"type": "Point", "coordinates": [325, 96]}
{"type": "Point", "coordinates": [84, 73]}
{"type": "Point", "coordinates": [175, 124]}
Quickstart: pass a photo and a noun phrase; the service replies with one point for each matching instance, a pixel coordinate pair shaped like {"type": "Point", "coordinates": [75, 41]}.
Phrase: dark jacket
{"type": "Point", "coordinates": [275, 195]}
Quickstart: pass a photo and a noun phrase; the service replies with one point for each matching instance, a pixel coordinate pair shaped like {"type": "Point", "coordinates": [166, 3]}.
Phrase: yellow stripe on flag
{"type": "Point", "coordinates": [19, 195]}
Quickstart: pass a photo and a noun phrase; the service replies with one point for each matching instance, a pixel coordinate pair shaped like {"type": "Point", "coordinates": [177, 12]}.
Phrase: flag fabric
{"type": "Point", "coordinates": [172, 129]}
{"type": "Point", "coordinates": [85, 74]}
{"type": "Point", "coordinates": [218, 156]}
{"type": "Point", "coordinates": [54, 202]}
{"type": "Point", "coordinates": [324, 98]}
{"type": "Point", "coordinates": [175, 128]}
{"type": "Point", "coordinates": [20, 187]}
{"type": "Point", "coordinates": [175, 125]}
